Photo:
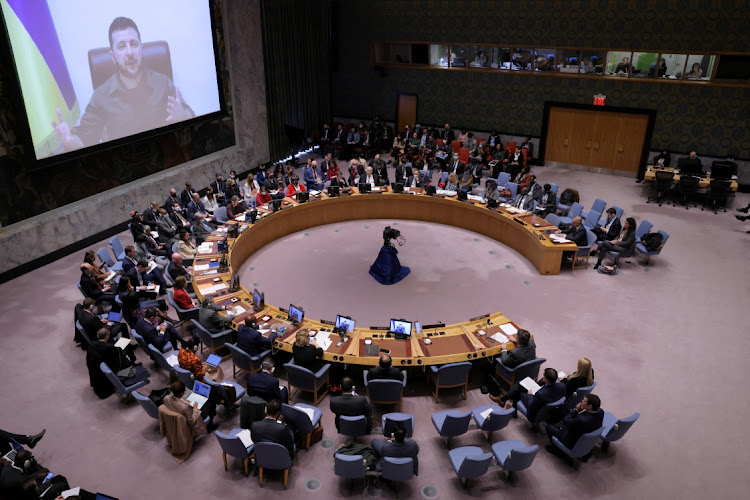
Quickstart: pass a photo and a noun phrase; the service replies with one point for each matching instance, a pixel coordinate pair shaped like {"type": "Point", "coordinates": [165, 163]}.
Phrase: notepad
{"type": "Point", "coordinates": [561, 375]}
{"type": "Point", "coordinates": [220, 286]}
{"type": "Point", "coordinates": [473, 197]}
{"type": "Point", "coordinates": [239, 309]}
{"type": "Point", "coordinates": [244, 436]}
{"type": "Point", "coordinates": [172, 360]}
{"type": "Point", "coordinates": [500, 338]}
{"type": "Point", "coordinates": [309, 411]}
{"type": "Point", "coordinates": [529, 384]}
{"type": "Point", "coordinates": [122, 343]}
{"type": "Point", "coordinates": [509, 329]}
{"type": "Point", "coordinates": [486, 413]}
{"type": "Point", "coordinates": [200, 267]}
{"type": "Point", "coordinates": [323, 340]}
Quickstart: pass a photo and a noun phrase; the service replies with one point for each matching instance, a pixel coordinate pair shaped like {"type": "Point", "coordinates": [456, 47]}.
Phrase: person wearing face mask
{"type": "Point", "coordinates": [295, 187]}
{"type": "Point", "coordinates": [455, 166]}
{"type": "Point", "coordinates": [264, 385]}
{"type": "Point", "coordinates": [166, 228]}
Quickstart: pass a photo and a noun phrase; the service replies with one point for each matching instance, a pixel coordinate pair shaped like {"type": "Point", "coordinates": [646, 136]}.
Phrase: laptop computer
{"type": "Point", "coordinates": [200, 394]}
{"type": "Point", "coordinates": [213, 361]}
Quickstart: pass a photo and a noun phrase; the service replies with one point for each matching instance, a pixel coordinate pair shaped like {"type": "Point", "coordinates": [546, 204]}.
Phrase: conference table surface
{"type": "Point", "coordinates": [704, 182]}
{"type": "Point", "coordinates": [480, 337]}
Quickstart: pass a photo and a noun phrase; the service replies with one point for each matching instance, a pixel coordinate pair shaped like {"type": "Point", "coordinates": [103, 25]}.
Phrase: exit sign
{"type": "Point", "coordinates": [599, 100]}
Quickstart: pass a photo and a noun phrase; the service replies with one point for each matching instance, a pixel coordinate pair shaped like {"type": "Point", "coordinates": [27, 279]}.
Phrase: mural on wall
{"type": "Point", "coordinates": [26, 192]}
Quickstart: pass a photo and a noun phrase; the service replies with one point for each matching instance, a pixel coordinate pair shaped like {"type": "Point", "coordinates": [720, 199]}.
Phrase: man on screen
{"type": "Point", "coordinates": [133, 100]}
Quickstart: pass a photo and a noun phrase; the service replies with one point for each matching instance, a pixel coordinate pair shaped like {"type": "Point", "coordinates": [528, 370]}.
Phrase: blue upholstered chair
{"type": "Point", "coordinates": [109, 262]}
{"type": "Point", "coordinates": [513, 456]}
{"type": "Point", "coordinates": [642, 228]}
{"type": "Point", "coordinates": [117, 249]}
{"type": "Point", "coordinates": [583, 446]}
{"type": "Point", "coordinates": [584, 251]}
{"type": "Point", "coordinates": [120, 388]}
{"type": "Point", "coordinates": [614, 429]}
{"type": "Point", "coordinates": [184, 375]}
{"type": "Point", "coordinates": [544, 413]}
{"type": "Point", "coordinates": [641, 248]}
{"type": "Point", "coordinates": [513, 187]}
{"type": "Point", "coordinates": [353, 426]}
{"type": "Point", "coordinates": [386, 391]}
{"type": "Point", "coordinates": [220, 215]}
{"type": "Point", "coordinates": [575, 210]}
{"type": "Point", "coordinates": [596, 208]}
{"type": "Point", "coordinates": [297, 418]}
{"type": "Point", "coordinates": [502, 179]}
{"type": "Point", "coordinates": [520, 372]}
{"type": "Point", "coordinates": [554, 188]}
{"type": "Point", "coordinates": [305, 380]}
{"type": "Point", "coordinates": [272, 456]}
{"type": "Point", "coordinates": [498, 419]}
{"type": "Point", "coordinates": [144, 345]}
{"type": "Point", "coordinates": [82, 333]}
{"type": "Point", "coordinates": [182, 314]}
{"type": "Point", "coordinates": [444, 178]}
{"type": "Point", "coordinates": [397, 470]}
{"type": "Point", "coordinates": [161, 358]}
{"type": "Point", "coordinates": [148, 406]}
{"type": "Point", "coordinates": [239, 391]}
{"type": "Point", "coordinates": [451, 423]}
{"type": "Point", "coordinates": [553, 219]}
{"type": "Point", "coordinates": [591, 221]}
{"type": "Point", "coordinates": [214, 341]}
{"type": "Point", "coordinates": [232, 445]}
{"type": "Point", "coordinates": [450, 375]}
{"type": "Point", "coordinates": [245, 362]}
{"type": "Point", "coordinates": [349, 466]}
{"type": "Point", "coordinates": [578, 396]}
{"type": "Point", "coordinates": [390, 421]}
{"type": "Point", "coordinates": [469, 462]}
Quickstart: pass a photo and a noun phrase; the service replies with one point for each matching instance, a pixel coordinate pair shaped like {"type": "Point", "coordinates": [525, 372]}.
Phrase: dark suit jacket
{"type": "Point", "coordinates": [527, 203]}
{"type": "Point", "coordinates": [194, 208]}
{"type": "Point", "coordinates": [211, 321]}
{"type": "Point", "coordinates": [270, 431]}
{"type": "Point", "coordinates": [547, 394]}
{"type": "Point", "coordinates": [252, 341]}
{"type": "Point", "coordinates": [177, 270]}
{"type": "Point", "coordinates": [90, 286]}
{"type": "Point", "coordinates": [577, 235]}
{"type": "Point", "coordinates": [170, 201]}
{"type": "Point", "coordinates": [149, 217]}
{"type": "Point", "coordinates": [459, 168]}
{"type": "Point", "coordinates": [91, 323]}
{"type": "Point", "coordinates": [410, 179]}
{"type": "Point", "coordinates": [575, 425]}
{"type": "Point", "coordinates": [113, 356]}
{"type": "Point", "coordinates": [186, 197]}
{"type": "Point", "coordinates": [215, 186]}
{"type": "Point", "coordinates": [263, 385]}
{"type": "Point", "coordinates": [519, 355]}
{"type": "Point", "coordinates": [376, 372]}
{"type": "Point", "coordinates": [408, 449]}
{"type": "Point", "coordinates": [447, 134]}
{"type": "Point", "coordinates": [128, 264]}
{"type": "Point", "coordinates": [352, 406]}
{"type": "Point", "coordinates": [614, 229]}
{"type": "Point", "coordinates": [151, 335]}
{"type": "Point", "coordinates": [400, 173]}
{"type": "Point", "coordinates": [166, 228]}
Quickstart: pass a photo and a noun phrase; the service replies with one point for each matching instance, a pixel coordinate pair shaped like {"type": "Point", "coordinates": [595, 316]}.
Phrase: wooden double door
{"type": "Point", "coordinates": [594, 138]}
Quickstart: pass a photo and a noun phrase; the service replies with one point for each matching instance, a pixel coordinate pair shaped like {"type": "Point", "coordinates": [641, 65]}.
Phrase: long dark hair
{"type": "Point", "coordinates": [631, 224]}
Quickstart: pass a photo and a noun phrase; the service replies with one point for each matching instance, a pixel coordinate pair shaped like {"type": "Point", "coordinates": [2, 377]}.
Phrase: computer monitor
{"type": "Point", "coordinates": [430, 190]}
{"type": "Point", "coordinates": [303, 197]}
{"type": "Point", "coordinates": [690, 167]}
{"type": "Point", "coordinates": [722, 170]}
{"type": "Point", "coordinates": [364, 187]}
{"type": "Point", "coordinates": [296, 314]}
{"type": "Point", "coordinates": [259, 299]}
{"type": "Point", "coordinates": [401, 327]}
{"type": "Point", "coordinates": [345, 323]}
{"type": "Point", "coordinates": [275, 205]}
{"type": "Point", "coordinates": [398, 187]}
{"type": "Point", "coordinates": [492, 203]}
{"type": "Point", "coordinates": [462, 195]}
{"type": "Point", "coordinates": [333, 191]}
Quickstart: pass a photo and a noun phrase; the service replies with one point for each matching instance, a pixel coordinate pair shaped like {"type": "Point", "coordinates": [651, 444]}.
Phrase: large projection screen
{"type": "Point", "coordinates": [83, 87]}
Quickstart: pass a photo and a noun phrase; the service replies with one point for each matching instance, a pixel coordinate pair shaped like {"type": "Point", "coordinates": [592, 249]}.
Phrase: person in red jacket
{"type": "Point", "coordinates": [263, 197]}
{"type": "Point", "coordinates": [295, 187]}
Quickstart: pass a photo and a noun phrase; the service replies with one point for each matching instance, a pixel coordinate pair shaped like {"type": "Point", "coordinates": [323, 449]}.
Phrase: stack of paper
{"type": "Point", "coordinates": [205, 247]}
{"type": "Point", "coordinates": [558, 238]}
{"type": "Point", "coordinates": [323, 339]}
{"type": "Point", "coordinates": [122, 343]}
{"type": "Point", "coordinates": [508, 329]}
{"type": "Point", "coordinates": [529, 384]}
{"type": "Point", "coordinates": [244, 436]}
{"type": "Point", "coordinates": [220, 286]}
{"type": "Point", "coordinates": [111, 275]}
{"type": "Point", "coordinates": [172, 360]}
{"type": "Point", "coordinates": [200, 267]}
{"type": "Point", "coordinates": [500, 338]}
{"type": "Point", "coordinates": [239, 310]}
{"type": "Point", "coordinates": [561, 375]}
{"type": "Point", "coordinates": [474, 197]}
{"type": "Point", "coordinates": [445, 192]}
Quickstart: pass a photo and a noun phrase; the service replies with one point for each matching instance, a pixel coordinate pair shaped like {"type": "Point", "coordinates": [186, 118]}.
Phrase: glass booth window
{"type": "Point", "coordinates": [500, 58]}
{"type": "Point", "coordinates": [618, 63]}
{"type": "Point", "coordinates": [699, 67]}
{"type": "Point", "coordinates": [459, 56]}
{"type": "Point", "coordinates": [570, 61]}
{"type": "Point", "coordinates": [673, 67]}
{"type": "Point", "coordinates": [644, 64]}
{"type": "Point", "coordinates": [521, 59]}
{"type": "Point", "coordinates": [592, 62]}
{"type": "Point", "coordinates": [439, 55]}
{"type": "Point", "coordinates": [480, 56]}
{"type": "Point", "coordinates": [401, 53]}
{"type": "Point", "coordinates": [545, 59]}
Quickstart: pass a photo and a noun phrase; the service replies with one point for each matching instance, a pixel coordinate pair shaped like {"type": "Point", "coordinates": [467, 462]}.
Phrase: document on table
{"type": "Point", "coordinates": [172, 360]}
{"type": "Point", "coordinates": [445, 192]}
{"type": "Point", "coordinates": [151, 266]}
{"type": "Point", "coordinates": [205, 248]}
{"type": "Point", "coordinates": [314, 192]}
{"type": "Point", "coordinates": [309, 411]}
{"type": "Point", "coordinates": [263, 331]}
{"type": "Point", "coordinates": [239, 310]}
{"type": "Point", "coordinates": [112, 274]}
{"type": "Point", "coordinates": [529, 384]}
{"type": "Point", "coordinates": [500, 338]}
{"type": "Point", "coordinates": [213, 271]}
{"type": "Point", "coordinates": [200, 267]}
{"type": "Point", "coordinates": [122, 343]}
{"type": "Point", "coordinates": [474, 197]}
{"type": "Point", "coordinates": [244, 436]}
{"type": "Point", "coordinates": [207, 290]}
{"type": "Point", "coordinates": [508, 329]}
{"type": "Point", "coordinates": [323, 340]}
{"type": "Point", "coordinates": [220, 286]}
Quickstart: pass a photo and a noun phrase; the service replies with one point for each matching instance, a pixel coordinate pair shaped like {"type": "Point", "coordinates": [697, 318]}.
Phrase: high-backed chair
{"type": "Point", "coordinates": [597, 207]}
{"type": "Point", "coordinates": [156, 56]}
{"type": "Point", "coordinates": [353, 426]}
{"type": "Point", "coordinates": [450, 375]}
{"type": "Point", "coordinates": [717, 195]}
{"type": "Point", "coordinates": [583, 446]}
{"type": "Point", "coordinates": [502, 179]}
{"type": "Point", "coordinates": [184, 375]}
{"type": "Point", "coordinates": [513, 456]}
{"type": "Point", "coordinates": [497, 419]}
{"type": "Point", "coordinates": [584, 251]}
{"type": "Point", "coordinates": [520, 372]}
{"type": "Point", "coordinates": [272, 456]}
{"type": "Point", "coordinates": [614, 429]}
{"type": "Point", "coordinates": [469, 462]}
{"type": "Point", "coordinates": [662, 186]}
{"type": "Point", "coordinates": [233, 446]}
{"type": "Point", "coordinates": [298, 418]}
{"type": "Point", "coordinates": [220, 215]}
{"type": "Point", "coordinates": [305, 380]}
{"type": "Point", "coordinates": [451, 423]}
{"type": "Point", "coordinates": [390, 421]}
{"type": "Point", "coordinates": [138, 381]}
{"type": "Point", "coordinates": [385, 391]}
{"type": "Point", "coordinates": [245, 362]}
{"type": "Point", "coordinates": [219, 387]}
{"type": "Point", "coordinates": [575, 210]}
{"type": "Point", "coordinates": [182, 314]}
{"type": "Point", "coordinates": [397, 470]}
{"type": "Point", "coordinates": [148, 406]}
{"type": "Point", "coordinates": [349, 466]}
{"type": "Point", "coordinates": [82, 332]}
{"type": "Point", "coordinates": [144, 345]}
{"type": "Point", "coordinates": [578, 396]}
{"type": "Point", "coordinates": [591, 221]}
{"type": "Point", "coordinates": [553, 219]}
{"type": "Point", "coordinates": [160, 358]}
{"type": "Point", "coordinates": [544, 413]}
{"type": "Point", "coordinates": [618, 211]}
{"type": "Point", "coordinates": [642, 228]}
{"type": "Point", "coordinates": [687, 189]}
{"type": "Point", "coordinates": [214, 341]}
{"type": "Point", "coordinates": [109, 262]}
{"type": "Point", "coordinates": [513, 188]}
{"type": "Point", "coordinates": [641, 248]}
{"type": "Point", "coordinates": [117, 248]}
{"type": "Point", "coordinates": [554, 188]}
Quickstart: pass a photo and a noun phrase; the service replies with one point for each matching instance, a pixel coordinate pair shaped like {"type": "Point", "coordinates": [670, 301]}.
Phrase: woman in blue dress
{"type": "Point", "coordinates": [387, 270]}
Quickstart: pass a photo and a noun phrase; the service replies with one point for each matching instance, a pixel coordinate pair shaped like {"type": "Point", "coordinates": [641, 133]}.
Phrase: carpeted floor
{"type": "Point", "coordinates": [663, 340]}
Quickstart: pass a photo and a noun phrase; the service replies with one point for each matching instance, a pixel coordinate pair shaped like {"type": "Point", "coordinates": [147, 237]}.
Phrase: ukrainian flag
{"type": "Point", "coordinates": [44, 77]}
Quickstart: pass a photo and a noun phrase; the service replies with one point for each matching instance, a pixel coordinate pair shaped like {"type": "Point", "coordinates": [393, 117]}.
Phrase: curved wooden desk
{"type": "Point", "coordinates": [450, 343]}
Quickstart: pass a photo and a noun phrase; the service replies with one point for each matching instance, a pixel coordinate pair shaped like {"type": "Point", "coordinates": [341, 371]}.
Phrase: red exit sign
{"type": "Point", "coordinates": [599, 100]}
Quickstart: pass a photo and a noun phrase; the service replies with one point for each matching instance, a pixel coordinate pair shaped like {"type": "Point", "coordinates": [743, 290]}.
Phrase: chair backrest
{"type": "Point", "coordinates": [618, 430]}
{"type": "Point", "coordinates": [393, 420]}
{"type": "Point", "coordinates": [688, 184]}
{"type": "Point", "coordinates": [463, 155]}
{"type": "Point", "coordinates": [148, 406]}
{"type": "Point", "coordinates": [117, 248]}
{"type": "Point", "coordinates": [216, 386]}
{"type": "Point", "coordinates": [578, 395]}
{"type": "Point", "coordinates": [349, 466]}
{"type": "Point", "coordinates": [272, 456]}
{"type": "Point", "coordinates": [643, 228]}
{"type": "Point", "coordinates": [575, 210]}
{"type": "Point", "coordinates": [549, 409]}
{"type": "Point", "coordinates": [513, 187]}
{"type": "Point", "coordinates": [511, 145]}
{"type": "Point", "coordinates": [398, 469]}
{"type": "Point", "coordinates": [183, 314]}
{"type": "Point", "coordinates": [240, 358]}
{"type": "Point", "coordinates": [591, 219]}
{"type": "Point", "coordinates": [553, 219]}
{"type": "Point", "coordinates": [520, 458]}
{"type": "Point", "coordinates": [455, 423]}
{"type": "Point", "coordinates": [664, 237]}
{"type": "Point", "coordinates": [598, 205]}
{"type": "Point", "coordinates": [529, 369]}
{"type": "Point", "coordinates": [299, 376]}
{"type": "Point", "coordinates": [231, 445]}
{"type": "Point", "coordinates": [176, 247]}
{"type": "Point", "coordinates": [497, 420]}
{"type": "Point", "coordinates": [160, 359]}
{"type": "Point", "coordinates": [453, 373]}
{"type": "Point", "coordinates": [186, 377]}
{"type": "Point", "coordinates": [353, 426]}
{"type": "Point", "coordinates": [475, 465]}
{"type": "Point", "coordinates": [113, 378]}
{"type": "Point", "coordinates": [82, 332]}
{"type": "Point", "coordinates": [455, 146]}
{"type": "Point", "coordinates": [444, 177]}
{"type": "Point", "coordinates": [105, 257]}
{"type": "Point", "coordinates": [385, 391]}
{"type": "Point", "coordinates": [618, 211]}
{"type": "Point", "coordinates": [220, 214]}
{"type": "Point", "coordinates": [502, 179]}
{"type": "Point", "coordinates": [155, 56]}
{"type": "Point", "coordinates": [554, 188]}
{"type": "Point", "coordinates": [301, 419]}
{"type": "Point", "coordinates": [140, 340]}
{"type": "Point", "coordinates": [586, 443]}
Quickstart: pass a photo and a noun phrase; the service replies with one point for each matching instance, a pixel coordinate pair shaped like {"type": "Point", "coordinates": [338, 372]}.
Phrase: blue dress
{"type": "Point", "coordinates": [387, 270]}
